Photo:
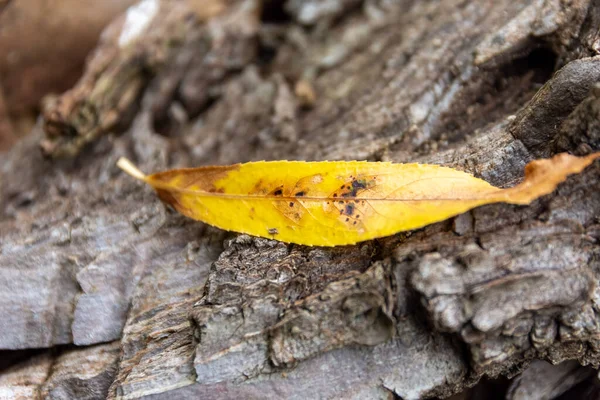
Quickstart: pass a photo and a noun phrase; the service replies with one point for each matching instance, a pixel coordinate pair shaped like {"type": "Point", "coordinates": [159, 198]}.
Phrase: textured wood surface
{"type": "Point", "coordinates": [95, 271]}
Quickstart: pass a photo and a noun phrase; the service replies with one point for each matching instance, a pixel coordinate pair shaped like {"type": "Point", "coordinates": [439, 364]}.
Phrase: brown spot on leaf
{"type": "Point", "coordinates": [359, 184]}
{"type": "Point", "coordinates": [349, 209]}
{"type": "Point", "coordinates": [202, 178]}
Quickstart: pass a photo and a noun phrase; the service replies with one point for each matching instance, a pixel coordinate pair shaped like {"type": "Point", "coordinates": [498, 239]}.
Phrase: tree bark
{"type": "Point", "coordinates": [97, 271]}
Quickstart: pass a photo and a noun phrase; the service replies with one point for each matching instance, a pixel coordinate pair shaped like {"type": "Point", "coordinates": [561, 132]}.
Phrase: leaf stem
{"type": "Point", "coordinates": [131, 169]}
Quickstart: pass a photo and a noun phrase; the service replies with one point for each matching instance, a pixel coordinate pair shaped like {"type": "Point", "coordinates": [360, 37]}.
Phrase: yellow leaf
{"type": "Point", "coordinates": [333, 203]}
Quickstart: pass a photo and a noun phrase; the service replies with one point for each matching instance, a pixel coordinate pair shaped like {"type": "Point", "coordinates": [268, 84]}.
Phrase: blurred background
{"type": "Point", "coordinates": [43, 46]}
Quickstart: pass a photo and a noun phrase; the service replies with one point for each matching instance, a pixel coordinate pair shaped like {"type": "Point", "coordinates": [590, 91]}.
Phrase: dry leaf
{"type": "Point", "coordinates": [340, 202]}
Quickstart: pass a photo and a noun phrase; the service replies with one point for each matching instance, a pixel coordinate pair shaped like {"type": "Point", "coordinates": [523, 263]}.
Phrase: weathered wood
{"type": "Point", "coordinates": [546, 381]}
{"type": "Point", "coordinates": [43, 46]}
{"type": "Point", "coordinates": [73, 373]}
{"type": "Point", "coordinates": [89, 256]}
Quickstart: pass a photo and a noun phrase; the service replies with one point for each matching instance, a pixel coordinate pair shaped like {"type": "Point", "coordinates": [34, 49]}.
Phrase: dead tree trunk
{"type": "Point", "coordinates": [132, 300]}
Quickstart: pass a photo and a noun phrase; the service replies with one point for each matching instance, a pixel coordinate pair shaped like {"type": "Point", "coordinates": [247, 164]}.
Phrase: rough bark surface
{"type": "Point", "coordinates": [97, 271]}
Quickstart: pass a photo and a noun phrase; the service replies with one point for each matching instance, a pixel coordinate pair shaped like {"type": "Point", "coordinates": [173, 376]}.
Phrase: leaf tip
{"type": "Point", "coordinates": [128, 167]}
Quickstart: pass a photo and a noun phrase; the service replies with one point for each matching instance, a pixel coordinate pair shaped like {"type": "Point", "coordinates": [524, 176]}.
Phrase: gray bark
{"type": "Point", "coordinates": [134, 301]}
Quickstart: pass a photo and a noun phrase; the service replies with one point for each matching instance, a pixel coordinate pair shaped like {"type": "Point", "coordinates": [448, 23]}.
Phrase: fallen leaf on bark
{"type": "Point", "coordinates": [333, 203]}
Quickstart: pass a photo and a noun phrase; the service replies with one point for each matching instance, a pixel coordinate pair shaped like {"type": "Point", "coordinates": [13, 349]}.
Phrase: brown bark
{"type": "Point", "coordinates": [88, 256]}
{"type": "Point", "coordinates": [43, 45]}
